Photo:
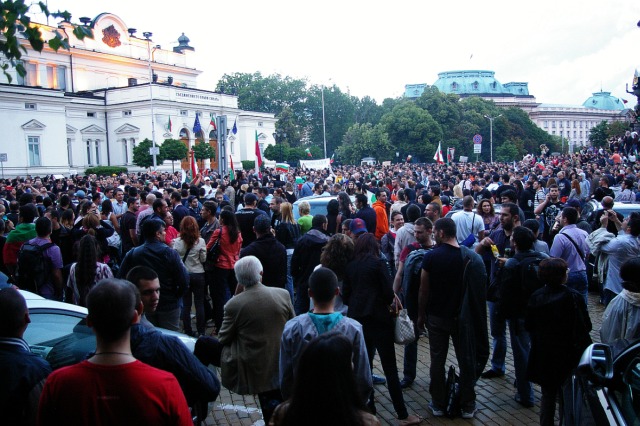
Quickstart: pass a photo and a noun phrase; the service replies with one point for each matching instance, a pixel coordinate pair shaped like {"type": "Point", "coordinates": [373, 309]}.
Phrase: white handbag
{"type": "Point", "coordinates": [403, 332]}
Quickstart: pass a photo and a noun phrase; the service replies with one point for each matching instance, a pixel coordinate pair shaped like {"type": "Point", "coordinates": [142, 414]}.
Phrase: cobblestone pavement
{"type": "Point", "coordinates": [494, 396]}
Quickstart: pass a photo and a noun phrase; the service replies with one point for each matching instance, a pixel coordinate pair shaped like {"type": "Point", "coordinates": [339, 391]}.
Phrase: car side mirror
{"type": "Point", "coordinates": [596, 363]}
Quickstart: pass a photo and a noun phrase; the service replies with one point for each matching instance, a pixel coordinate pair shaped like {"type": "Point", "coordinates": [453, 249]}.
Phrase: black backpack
{"type": "Point", "coordinates": [33, 267]}
{"type": "Point", "coordinates": [513, 299]}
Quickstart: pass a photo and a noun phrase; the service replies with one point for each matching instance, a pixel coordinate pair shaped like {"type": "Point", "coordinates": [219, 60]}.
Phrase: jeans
{"type": "Point", "coordinates": [578, 281]}
{"type": "Point", "coordinates": [440, 329]}
{"type": "Point", "coordinates": [169, 319]}
{"type": "Point", "coordinates": [197, 288]}
{"type": "Point", "coordinates": [221, 287]}
{"type": "Point", "coordinates": [520, 346]}
{"type": "Point", "coordinates": [289, 285]}
{"type": "Point", "coordinates": [410, 361]}
{"type": "Point", "coordinates": [498, 328]}
{"type": "Point", "coordinates": [379, 335]}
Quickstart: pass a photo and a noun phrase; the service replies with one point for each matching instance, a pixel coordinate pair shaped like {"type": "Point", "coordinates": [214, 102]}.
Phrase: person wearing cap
{"type": "Point", "coordinates": [246, 217]}
{"type": "Point", "coordinates": [306, 256]}
{"type": "Point", "coordinates": [209, 193]}
{"type": "Point", "coordinates": [270, 252]}
{"type": "Point", "coordinates": [357, 227]}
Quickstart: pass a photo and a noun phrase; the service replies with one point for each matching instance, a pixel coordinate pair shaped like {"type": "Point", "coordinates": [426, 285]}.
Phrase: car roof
{"type": "Point", "coordinates": [35, 301]}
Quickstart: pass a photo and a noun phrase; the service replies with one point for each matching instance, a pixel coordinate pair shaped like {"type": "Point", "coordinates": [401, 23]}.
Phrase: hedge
{"type": "Point", "coordinates": [105, 170]}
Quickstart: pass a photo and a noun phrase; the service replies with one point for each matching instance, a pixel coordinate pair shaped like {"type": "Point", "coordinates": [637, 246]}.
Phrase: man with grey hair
{"type": "Point", "coordinates": [250, 335]}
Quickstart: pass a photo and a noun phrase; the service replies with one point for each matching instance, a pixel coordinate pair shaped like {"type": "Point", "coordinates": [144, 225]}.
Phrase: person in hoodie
{"type": "Point", "coordinates": [382, 219]}
{"type": "Point", "coordinates": [299, 331]}
{"type": "Point", "coordinates": [306, 256]}
{"type": "Point", "coordinates": [405, 236]}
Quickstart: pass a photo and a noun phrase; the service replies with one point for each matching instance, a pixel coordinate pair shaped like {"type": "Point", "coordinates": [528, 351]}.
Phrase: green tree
{"type": "Point", "coordinates": [288, 123]}
{"type": "Point", "coordinates": [412, 130]}
{"type": "Point", "coordinates": [339, 112]}
{"type": "Point", "coordinates": [616, 129]}
{"type": "Point", "coordinates": [598, 134]}
{"type": "Point", "coordinates": [14, 21]}
{"type": "Point", "coordinates": [364, 140]}
{"type": "Point", "coordinates": [367, 110]}
{"type": "Point", "coordinates": [203, 151]}
{"type": "Point", "coordinates": [141, 156]}
{"type": "Point", "coordinates": [173, 149]}
{"type": "Point", "coordinates": [507, 152]}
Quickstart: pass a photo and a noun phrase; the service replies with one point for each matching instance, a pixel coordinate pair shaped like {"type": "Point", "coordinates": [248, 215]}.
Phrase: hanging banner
{"type": "Point", "coordinates": [324, 163]}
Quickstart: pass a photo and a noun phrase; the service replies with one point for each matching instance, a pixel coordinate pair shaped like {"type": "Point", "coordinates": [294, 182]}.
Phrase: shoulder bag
{"type": "Point", "coordinates": [213, 253]}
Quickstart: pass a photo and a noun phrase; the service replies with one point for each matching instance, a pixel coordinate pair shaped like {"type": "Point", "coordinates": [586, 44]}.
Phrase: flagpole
{"type": "Point", "coordinates": [147, 36]}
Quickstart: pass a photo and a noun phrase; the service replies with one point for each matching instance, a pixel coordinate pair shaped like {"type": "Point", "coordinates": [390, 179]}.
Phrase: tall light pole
{"type": "Point", "coordinates": [324, 128]}
{"type": "Point", "coordinates": [491, 132]}
{"type": "Point", "coordinates": [147, 35]}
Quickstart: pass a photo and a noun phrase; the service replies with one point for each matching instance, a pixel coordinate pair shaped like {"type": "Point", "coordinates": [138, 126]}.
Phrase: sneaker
{"type": "Point", "coordinates": [468, 414]}
{"type": "Point", "coordinates": [526, 404]}
{"type": "Point", "coordinates": [405, 383]}
{"type": "Point", "coordinates": [411, 419]}
{"type": "Point", "coordinates": [434, 411]}
{"type": "Point", "coordinates": [491, 374]}
{"type": "Point", "coordinates": [378, 380]}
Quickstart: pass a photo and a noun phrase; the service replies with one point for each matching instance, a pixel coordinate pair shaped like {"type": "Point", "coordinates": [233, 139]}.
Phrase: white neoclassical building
{"type": "Point", "coordinates": [92, 104]}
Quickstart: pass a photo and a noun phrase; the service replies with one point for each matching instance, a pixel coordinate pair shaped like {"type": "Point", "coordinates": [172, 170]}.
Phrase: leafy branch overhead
{"type": "Point", "coordinates": [14, 21]}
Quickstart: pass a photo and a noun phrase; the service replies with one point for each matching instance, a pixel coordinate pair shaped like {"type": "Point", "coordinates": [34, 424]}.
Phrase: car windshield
{"type": "Point", "coordinates": [60, 338]}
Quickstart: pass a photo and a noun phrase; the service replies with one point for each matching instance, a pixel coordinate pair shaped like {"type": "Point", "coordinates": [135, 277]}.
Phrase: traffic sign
{"type": "Point", "coordinates": [3, 157]}
{"type": "Point", "coordinates": [155, 151]}
{"type": "Point", "coordinates": [477, 148]}
{"type": "Point", "coordinates": [477, 139]}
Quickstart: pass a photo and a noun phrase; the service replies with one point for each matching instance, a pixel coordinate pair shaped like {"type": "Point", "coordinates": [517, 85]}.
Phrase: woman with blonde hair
{"type": "Point", "coordinates": [193, 251]}
{"type": "Point", "coordinates": [287, 232]}
{"type": "Point", "coordinates": [305, 218]}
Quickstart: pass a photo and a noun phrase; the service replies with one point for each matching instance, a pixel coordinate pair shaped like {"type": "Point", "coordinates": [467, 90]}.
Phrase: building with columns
{"type": "Point", "coordinates": [92, 104]}
{"type": "Point", "coordinates": [572, 123]}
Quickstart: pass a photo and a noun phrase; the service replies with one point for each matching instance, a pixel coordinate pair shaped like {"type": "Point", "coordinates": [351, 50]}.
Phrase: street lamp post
{"type": "Point", "coordinates": [324, 128]}
{"type": "Point", "coordinates": [491, 132]}
{"type": "Point", "coordinates": [147, 35]}
{"type": "Point", "coordinates": [280, 137]}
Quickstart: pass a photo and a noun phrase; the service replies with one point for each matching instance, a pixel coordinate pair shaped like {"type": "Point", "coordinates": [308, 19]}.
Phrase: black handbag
{"type": "Point", "coordinates": [213, 253]}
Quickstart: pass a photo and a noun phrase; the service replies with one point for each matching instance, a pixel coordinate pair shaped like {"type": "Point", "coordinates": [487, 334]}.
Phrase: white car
{"type": "Point", "coordinates": [58, 331]}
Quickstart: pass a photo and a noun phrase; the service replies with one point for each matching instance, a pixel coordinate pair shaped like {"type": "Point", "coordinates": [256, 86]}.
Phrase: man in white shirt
{"type": "Point", "coordinates": [467, 221]}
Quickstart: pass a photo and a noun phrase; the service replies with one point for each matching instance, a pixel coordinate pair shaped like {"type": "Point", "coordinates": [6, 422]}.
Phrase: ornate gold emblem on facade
{"type": "Point", "coordinates": [111, 36]}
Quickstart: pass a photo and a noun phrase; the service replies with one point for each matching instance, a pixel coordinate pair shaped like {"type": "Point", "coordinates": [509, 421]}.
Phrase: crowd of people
{"type": "Point", "coordinates": [288, 308]}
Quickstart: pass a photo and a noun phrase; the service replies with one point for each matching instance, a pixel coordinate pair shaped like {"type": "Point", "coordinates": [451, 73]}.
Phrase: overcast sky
{"type": "Point", "coordinates": [564, 49]}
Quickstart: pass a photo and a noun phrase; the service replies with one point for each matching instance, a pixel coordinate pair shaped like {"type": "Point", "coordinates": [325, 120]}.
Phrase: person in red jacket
{"type": "Point", "coordinates": [382, 220]}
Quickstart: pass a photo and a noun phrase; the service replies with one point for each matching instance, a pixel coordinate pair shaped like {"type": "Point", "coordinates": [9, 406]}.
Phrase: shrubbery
{"type": "Point", "coordinates": [105, 170]}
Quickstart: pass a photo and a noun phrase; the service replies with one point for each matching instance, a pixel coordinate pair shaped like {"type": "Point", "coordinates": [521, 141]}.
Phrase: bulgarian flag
{"type": "Point", "coordinates": [169, 124]}
{"type": "Point", "coordinates": [232, 174]}
{"type": "Point", "coordinates": [258, 153]}
{"type": "Point", "coordinates": [332, 158]}
{"type": "Point", "coordinates": [212, 123]}
{"type": "Point", "coordinates": [194, 165]}
{"type": "Point", "coordinates": [282, 168]}
{"type": "Point", "coordinates": [438, 155]}
{"type": "Point", "coordinates": [308, 152]}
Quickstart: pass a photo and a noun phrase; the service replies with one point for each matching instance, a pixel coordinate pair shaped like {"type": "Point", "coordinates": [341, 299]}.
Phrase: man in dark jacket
{"type": "Point", "coordinates": [512, 304]}
{"type": "Point", "coordinates": [306, 256]}
{"type": "Point", "coordinates": [270, 252]}
{"type": "Point", "coordinates": [246, 217]}
{"type": "Point", "coordinates": [174, 278]}
{"type": "Point", "coordinates": [23, 372]}
{"type": "Point", "coordinates": [366, 213]}
{"type": "Point", "coordinates": [179, 210]}
{"type": "Point", "coordinates": [199, 384]}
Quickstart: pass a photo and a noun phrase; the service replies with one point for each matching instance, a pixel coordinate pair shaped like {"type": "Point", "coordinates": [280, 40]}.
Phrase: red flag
{"type": "Point", "coordinates": [258, 153]}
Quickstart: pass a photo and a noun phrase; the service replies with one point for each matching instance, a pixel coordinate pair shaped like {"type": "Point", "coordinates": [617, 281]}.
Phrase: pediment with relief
{"type": "Point", "coordinates": [92, 129]}
{"type": "Point", "coordinates": [33, 125]}
{"type": "Point", "coordinates": [127, 128]}
{"type": "Point", "coordinates": [71, 129]}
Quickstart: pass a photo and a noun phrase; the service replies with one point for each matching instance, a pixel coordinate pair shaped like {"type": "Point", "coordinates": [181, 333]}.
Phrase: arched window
{"type": "Point", "coordinates": [474, 85]}
{"type": "Point", "coordinates": [97, 152]}
{"type": "Point", "coordinates": [184, 133]}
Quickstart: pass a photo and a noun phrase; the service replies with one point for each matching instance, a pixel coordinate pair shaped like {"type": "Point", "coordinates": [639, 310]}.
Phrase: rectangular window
{"type": "Point", "coordinates": [61, 77]}
{"type": "Point", "coordinates": [34, 151]}
{"type": "Point", "coordinates": [553, 125]}
{"type": "Point", "coordinates": [568, 124]}
{"type": "Point", "coordinates": [581, 123]}
{"type": "Point", "coordinates": [575, 134]}
{"type": "Point", "coordinates": [126, 113]}
{"type": "Point", "coordinates": [31, 79]}
{"type": "Point", "coordinates": [69, 151]}
{"type": "Point", "coordinates": [50, 80]}
{"type": "Point", "coordinates": [546, 123]}
{"type": "Point", "coordinates": [574, 124]}
{"type": "Point", "coordinates": [561, 123]}
{"type": "Point", "coordinates": [581, 133]}
{"type": "Point", "coordinates": [553, 132]}
{"type": "Point", "coordinates": [184, 112]}
{"type": "Point", "coordinates": [98, 153]}
{"type": "Point", "coordinates": [259, 123]}
{"type": "Point", "coordinates": [91, 114]}
{"type": "Point", "coordinates": [198, 113]}
{"type": "Point", "coordinates": [89, 152]}
{"type": "Point", "coordinates": [30, 106]}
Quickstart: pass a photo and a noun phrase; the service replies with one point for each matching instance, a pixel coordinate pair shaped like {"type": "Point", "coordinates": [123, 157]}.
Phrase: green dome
{"type": "Point", "coordinates": [477, 82]}
{"type": "Point", "coordinates": [604, 100]}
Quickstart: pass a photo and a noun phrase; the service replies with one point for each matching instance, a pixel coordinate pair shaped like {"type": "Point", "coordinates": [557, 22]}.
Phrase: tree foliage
{"type": "Point", "coordinates": [14, 20]}
{"type": "Point", "coordinates": [174, 150]}
{"type": "Point", "coordinates": [598, 134]}
{"type": "Point", "coordinates": [203, 151]}
{"type": "Point", "coordinates": [365, 140]}
{"type": "Point", "coordinates": [141, 156]}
